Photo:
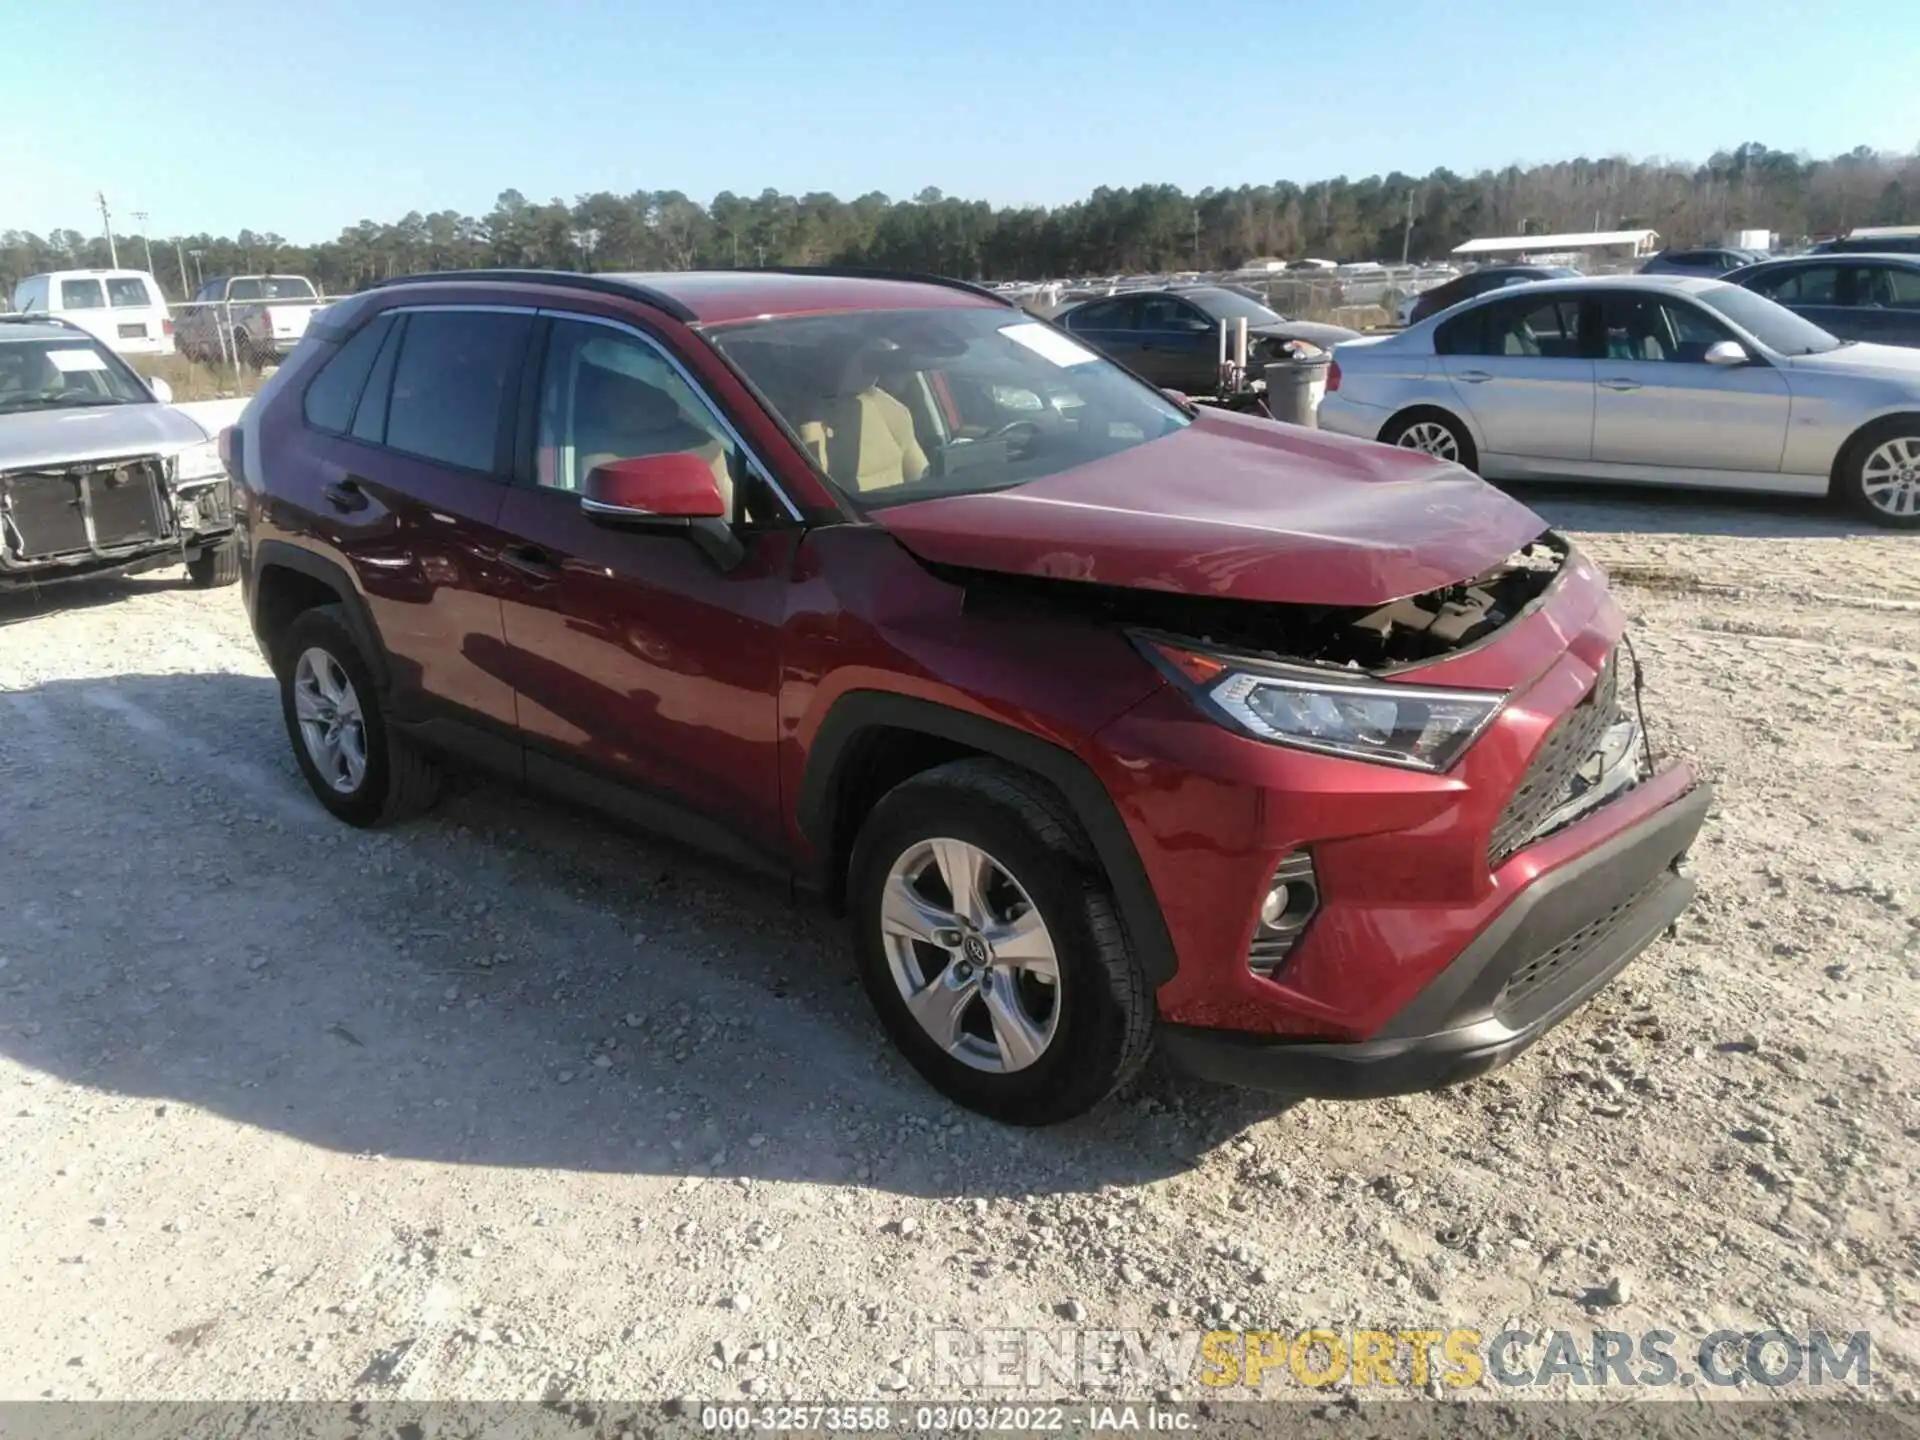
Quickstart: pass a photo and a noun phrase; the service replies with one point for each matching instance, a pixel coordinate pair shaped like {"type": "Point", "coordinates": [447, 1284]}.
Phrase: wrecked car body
{"type": "Point", "coordinates": [97, 475]}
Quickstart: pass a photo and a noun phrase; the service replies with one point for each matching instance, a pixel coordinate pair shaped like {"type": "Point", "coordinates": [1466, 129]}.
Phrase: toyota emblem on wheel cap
{"type": "Point", "coordinates": [975, 949]}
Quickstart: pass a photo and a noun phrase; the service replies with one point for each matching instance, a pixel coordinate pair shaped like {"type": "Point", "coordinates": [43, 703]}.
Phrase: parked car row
{"type": "Point", "coordinates": [252, 319]}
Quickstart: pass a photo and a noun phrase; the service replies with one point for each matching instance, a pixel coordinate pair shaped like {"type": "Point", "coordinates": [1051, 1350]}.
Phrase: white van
{"type": "Point", "coordinates": [124, 309]}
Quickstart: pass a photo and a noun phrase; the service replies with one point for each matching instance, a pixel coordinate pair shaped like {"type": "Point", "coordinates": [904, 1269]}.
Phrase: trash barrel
{"type": "Point", "coordinates": [1294, 388]}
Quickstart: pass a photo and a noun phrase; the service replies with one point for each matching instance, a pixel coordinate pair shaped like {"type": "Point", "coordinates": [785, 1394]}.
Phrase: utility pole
{"type": "Point", "coordinates": [186, 285]}
{"type": "Point", "coordinates": [1406, 236]}
{"type": "Point", "coordinates": [106, 226]}
{"type": "Point", "coordinates": [145, 239]}
{"type": "Point", "coordinates": [1196, 239]}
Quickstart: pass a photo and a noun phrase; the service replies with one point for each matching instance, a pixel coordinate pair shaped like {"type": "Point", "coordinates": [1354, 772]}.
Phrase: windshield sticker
{"type": "Point", "coordinates": [74, 362]}
{"type": "Point", "coordinates": [1049, 345]}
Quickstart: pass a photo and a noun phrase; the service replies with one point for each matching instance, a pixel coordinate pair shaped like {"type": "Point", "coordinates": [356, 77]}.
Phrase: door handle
{"type": "Point", "coordinates": [1619, 382]}
{"type": "Point", "coordinates": [1474, 377]}
{"type": "Point", "coordinates": [346, 496]}
{"type": "Point", "coordinates": [533, 562]}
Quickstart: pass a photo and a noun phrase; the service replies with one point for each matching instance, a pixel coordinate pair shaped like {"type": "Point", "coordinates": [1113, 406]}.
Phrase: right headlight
{"type": "Point", "coordinates": [1405, 725]}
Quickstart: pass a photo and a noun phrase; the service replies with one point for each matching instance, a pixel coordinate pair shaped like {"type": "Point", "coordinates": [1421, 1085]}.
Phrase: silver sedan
{"type": "Point", "coordinates": [1650, 379]}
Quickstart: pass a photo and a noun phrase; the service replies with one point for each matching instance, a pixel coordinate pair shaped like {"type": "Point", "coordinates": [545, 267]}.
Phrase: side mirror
{"type": "Point", "coordinates": [664, 492]}
{"type": "Point", "coordinates": [1726, 352]}
{"type": "Point", "coordinates": [1179, 397]}
{"type": "Point", "coordinates": [162, 391]}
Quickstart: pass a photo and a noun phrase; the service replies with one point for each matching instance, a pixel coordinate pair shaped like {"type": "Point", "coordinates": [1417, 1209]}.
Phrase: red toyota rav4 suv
{"type": "Point", "coordinates": [1113, 721]}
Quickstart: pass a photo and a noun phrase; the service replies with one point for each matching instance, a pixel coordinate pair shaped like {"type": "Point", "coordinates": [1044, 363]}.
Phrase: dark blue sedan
{"type": "Point", "coordinates": [1857, 297]}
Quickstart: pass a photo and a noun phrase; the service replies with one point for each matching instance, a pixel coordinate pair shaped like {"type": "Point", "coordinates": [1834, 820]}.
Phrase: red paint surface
{"type": "Point", "coordinates": [1240, 508]}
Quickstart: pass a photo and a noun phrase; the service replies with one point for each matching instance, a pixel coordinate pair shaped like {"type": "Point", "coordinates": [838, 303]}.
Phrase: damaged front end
{"type": "Point", "coordinates": [1374, 639]}
{"type": "Point", "coordinates": [1347, 681]}
{"type": "Point", "coordinates": [108, 516]}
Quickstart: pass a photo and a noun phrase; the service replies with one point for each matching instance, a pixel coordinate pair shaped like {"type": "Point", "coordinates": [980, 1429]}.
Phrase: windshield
{"type": "Point", "coordinates": [1232, 305]}
{"type": "Point", "coordinates": [63, 374]}
{"type": "Point", "coordinates": [900, 405]}
{"type": "Point", "coordinates": [1774, 326]}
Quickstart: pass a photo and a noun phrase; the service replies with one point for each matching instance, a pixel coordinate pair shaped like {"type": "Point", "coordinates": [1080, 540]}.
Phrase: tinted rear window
{"type": "Point", "coordinates": [451, 385]}
{"type": "Point", "coordinates": [81, 295]}
{"type": "Point", "coordinates": [330, 398]}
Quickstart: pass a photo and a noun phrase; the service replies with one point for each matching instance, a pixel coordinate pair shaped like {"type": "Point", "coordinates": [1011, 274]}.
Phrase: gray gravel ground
{"type": "Point", "coordinates": [508, 1103]}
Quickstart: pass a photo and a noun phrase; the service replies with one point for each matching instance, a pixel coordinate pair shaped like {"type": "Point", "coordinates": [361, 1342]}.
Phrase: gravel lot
{"type": "Point", "coordinates": [508, 1103]}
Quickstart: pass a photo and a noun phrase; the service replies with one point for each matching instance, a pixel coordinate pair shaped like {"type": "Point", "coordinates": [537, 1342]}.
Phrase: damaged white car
{"type": "Point", "coordinates": [99, 474]}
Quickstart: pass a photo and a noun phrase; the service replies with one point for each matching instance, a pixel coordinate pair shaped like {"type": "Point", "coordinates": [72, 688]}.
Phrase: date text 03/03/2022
{"type": "Point", "coordinates": [943, 1418]}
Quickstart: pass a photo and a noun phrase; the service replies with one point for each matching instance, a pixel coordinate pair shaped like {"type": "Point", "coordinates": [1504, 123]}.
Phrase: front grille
{"type": "Point", "coordinates": [1568, 746]}
{"type": "Point", "coordinates": [1531, 978]}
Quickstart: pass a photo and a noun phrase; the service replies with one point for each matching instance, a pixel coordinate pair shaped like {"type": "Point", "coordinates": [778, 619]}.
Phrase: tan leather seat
{"type": "Point", "coordinates": [862, 436]}
{"type": "Point", "coordinates": [618, 417]}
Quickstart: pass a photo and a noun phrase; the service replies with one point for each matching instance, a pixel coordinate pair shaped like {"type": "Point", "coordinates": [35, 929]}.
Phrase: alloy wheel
{"type": "Point", "coordinates": [331, 721]}
{"type": "Point", "coordinates": [1431, 437]}
{"type": "Point", "coordinates": [1890, 477]}
{"type": "Point", "coordinates": [971, 955]}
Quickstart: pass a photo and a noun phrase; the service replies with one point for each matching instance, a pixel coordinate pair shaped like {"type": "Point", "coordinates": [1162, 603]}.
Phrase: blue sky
{"type": "Point", "coordinates": [223, 114]}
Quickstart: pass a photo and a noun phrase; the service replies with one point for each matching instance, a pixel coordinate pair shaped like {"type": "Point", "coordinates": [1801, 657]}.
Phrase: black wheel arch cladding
{"type": "Point", "coordinates": [823, 786]}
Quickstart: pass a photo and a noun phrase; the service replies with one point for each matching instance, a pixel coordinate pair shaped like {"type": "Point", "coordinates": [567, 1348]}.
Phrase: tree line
{"type": "Point", "coordinates": [1113, 231]}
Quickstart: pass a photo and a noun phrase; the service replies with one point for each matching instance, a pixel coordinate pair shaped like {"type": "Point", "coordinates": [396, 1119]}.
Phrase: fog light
{"type": "Point", "coordinates": [1292, 897]}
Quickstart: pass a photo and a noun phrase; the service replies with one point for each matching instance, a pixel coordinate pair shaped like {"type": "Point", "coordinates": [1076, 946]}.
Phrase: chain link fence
{"type": "Point", "coordinates": [225, 348]}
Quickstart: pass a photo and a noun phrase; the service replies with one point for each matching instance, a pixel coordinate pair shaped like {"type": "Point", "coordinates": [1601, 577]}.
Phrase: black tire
{"type": "Point", "coordinates": [1104, 1030]}
{"type": "Point", "coordinates": [217, 567]}
{"type": "Point", "coordinates": [399, 781]}
{"type": "Point", "coordinates": [1397, 428]}
{"type": "Point", "coordinates": [244, 352]}
{"type": "Point", "coordinates": [1850, 477]}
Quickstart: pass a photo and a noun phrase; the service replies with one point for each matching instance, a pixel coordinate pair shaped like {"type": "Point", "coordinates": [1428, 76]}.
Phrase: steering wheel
{"type": "Point", "coordinates": [1001, 432]}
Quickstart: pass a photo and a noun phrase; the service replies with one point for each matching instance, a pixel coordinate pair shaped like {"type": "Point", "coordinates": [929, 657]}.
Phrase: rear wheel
{"type": "Point", "coordinates": [1433, 432]}
{"type": "Point", "coordinates": [990, 947]}
{"type": "Point", "coordinates": [356, 766]}
{"type": "Point", "coordinates": [1880, 477]}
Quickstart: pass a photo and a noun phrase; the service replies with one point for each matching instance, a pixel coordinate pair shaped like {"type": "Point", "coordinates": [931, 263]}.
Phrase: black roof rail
{"type": "Point", "coordinates": [855, 272]}
{"type": "Point", "coordinates": [566, 279]}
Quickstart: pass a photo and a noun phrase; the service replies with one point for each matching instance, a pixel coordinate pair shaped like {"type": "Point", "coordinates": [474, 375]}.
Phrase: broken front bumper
{"type": "Point", "coordinates": [1559, 941]}
{"type": "Point", "coordinates": [106, 516]}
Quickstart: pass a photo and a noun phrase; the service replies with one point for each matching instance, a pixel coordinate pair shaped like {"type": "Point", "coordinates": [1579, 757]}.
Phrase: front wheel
{"type": "Point", "coordinates": [989, 945]}
{"type": "Point", "coordinates": [1880, 477]}
{"type": "Point", "coordinates": [355, 765]}
{"type": "Point", "coordinates": [1434, 433]}
{"type": "Point", "coordinates": [216, 567]}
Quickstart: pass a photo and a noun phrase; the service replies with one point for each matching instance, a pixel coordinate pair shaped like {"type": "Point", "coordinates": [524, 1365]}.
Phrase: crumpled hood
{"type": "Point", "coordinates": [1235, 507]}
{"type": "Point", "coordinates": [34, 439]}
